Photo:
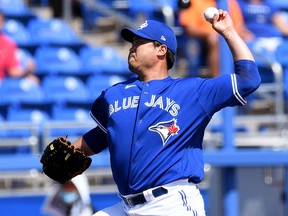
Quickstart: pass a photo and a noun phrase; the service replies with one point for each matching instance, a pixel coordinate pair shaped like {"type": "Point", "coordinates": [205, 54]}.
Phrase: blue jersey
{"type": "Point", "coordinates": [154, 130]}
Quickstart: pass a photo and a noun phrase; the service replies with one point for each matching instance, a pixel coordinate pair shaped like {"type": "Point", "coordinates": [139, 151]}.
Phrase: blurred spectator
{"type": "Point", "coordinates": [9, 63]}
{"type": "Point", "coordinates": [196, 27]}
{"type": "Point", "coordinates": [70, 199]}
{"type": "Point", "coordinates": [267, 23]}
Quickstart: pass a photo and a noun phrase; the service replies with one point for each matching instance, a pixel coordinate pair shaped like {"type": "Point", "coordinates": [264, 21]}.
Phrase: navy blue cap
{"type": "Point", "coordinates": [155, 31]}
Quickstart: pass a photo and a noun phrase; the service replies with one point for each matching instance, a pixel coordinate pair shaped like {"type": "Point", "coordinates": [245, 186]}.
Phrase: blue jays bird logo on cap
{"type": "Point", "coordinates": [143, 25]}
{"type": "Point", "coordinates": [166, 129]}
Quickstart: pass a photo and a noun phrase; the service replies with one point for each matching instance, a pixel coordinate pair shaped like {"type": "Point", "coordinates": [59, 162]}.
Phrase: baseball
{"type": "Point", "coordinates": [209, 13]}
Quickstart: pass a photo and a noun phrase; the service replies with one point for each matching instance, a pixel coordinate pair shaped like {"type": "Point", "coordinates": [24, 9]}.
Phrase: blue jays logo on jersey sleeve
{"type": "Point", "coordinates": [166, 129]}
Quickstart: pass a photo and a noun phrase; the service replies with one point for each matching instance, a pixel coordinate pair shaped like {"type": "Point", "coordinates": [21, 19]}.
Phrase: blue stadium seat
{"type": "Point", "coordinates": [57, 60]}
{"type": "Point", "coordinates": [24, 55]}
{"type": "Point", "coordinates": [104, 59]}
{"type": "Point", "coordinates": [25, 126]}
{"type": "Point", "coordinates": [142, 6]}
{"type": "Point", "coordinates": [45, 106]}
{"type": "Point", "coordinates": [35, 116]}
{"type": "Point", "coordinates": [53, 32]}
{"type": "Point", "coordinates": [32, 121]}
{"type": "Point", "coordinates": [19, 33]}
{"type": "Point", "coordinates": [13, 6]}
{"type": "Point", "coordinates": [64, 88]}
{"type": "Point", "coordinates": [16, 9]}
{"type": "Point", "coordinates": [151, 9]}
{"type": "Point", "coordinates": [90, 14]}
{"type": "Point", "coordinates": [264, 30]}
{"type": "Point", "coordinates": [73, 120]}
{"type": "Point", "coordinates": [63, 113]}
{"type": "Point", "coordinates": [16, 90]}
{"type": "Point", "coordinates": [98, 83]}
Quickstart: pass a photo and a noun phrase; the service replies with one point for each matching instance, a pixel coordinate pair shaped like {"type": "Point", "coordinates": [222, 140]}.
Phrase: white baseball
{"type": "Point", "coordinates": [209, 13]}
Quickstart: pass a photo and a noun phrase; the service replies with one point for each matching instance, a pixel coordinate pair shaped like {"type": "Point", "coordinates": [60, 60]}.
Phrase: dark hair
{"type": "Point", "coordinates": [170, 57]}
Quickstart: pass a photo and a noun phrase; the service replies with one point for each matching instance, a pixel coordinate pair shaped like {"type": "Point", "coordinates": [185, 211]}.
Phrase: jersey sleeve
{"type": "Point", "coordinates": [96, 138]}
{"type": "Point", "coordinates": [99, 112]}
{"type": "Point", "coordinates": [229, 90]}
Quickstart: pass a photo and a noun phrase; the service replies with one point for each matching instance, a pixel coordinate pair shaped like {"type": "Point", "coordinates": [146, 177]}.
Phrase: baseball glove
{"type": "Point", "coordinates": [61, 161]}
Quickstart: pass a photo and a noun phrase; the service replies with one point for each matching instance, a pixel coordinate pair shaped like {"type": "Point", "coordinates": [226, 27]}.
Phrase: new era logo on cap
{"type": "Point", "coordinates": [155, 31]}
{"type": "Point", "coordinates": [163, 38]}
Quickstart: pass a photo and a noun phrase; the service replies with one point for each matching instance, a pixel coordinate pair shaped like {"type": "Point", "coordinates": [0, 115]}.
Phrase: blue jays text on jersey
{"type": "Point", "coordinates": [132, 102]}
{"type": "Point", "coordinates": [154, 130]}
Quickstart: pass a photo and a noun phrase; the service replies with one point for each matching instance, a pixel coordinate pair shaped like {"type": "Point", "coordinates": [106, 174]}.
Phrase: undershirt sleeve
{"type": "Point", "coordinates": [96, 139]}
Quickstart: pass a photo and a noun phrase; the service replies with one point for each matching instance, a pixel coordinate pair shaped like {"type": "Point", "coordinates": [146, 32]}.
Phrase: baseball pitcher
{"type": "Point", "coordinates": [153, 124]}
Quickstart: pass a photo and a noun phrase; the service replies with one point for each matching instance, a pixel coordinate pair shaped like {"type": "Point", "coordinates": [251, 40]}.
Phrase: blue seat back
{"type": "Point", "coordinates": [13, 7]}
{"type": "Point", "coordinates": [55, 60]}
{"type": "Point", "coordinates": [35, 117]}
{"type": "Point", "coordinates": [64, 115]}
{"type": "Point", "coordinates": [98, 83]}
{"type": "Point", "coordinates": [264, 30]}
{"type": "Point", "coordinates": [70, 114]}
{"type": "Point", "coordinates": [15, 90]}
{"type": "Point", "coordinates": [52, 31]}
{"type": "Point", "coordinates": [27, 115]}
{"type": "Point", "coordinates": [64, 88]}
{"type": "Point", "coordinates": [104, 59]}
{"type": "Point", "coordinates": [18, 32]}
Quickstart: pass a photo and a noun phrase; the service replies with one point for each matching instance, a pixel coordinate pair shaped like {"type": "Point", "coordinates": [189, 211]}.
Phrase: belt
{"type": "Point", "coordinates": [191, 180]}
{"type": "Point", "coordinates": [140, 198]}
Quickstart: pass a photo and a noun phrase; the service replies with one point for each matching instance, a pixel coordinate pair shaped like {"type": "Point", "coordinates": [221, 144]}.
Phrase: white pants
{"type": "Point", "coordinates": [183, 199]}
